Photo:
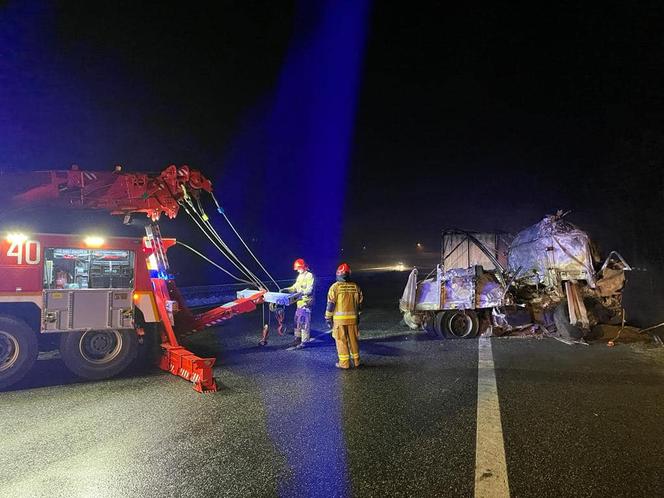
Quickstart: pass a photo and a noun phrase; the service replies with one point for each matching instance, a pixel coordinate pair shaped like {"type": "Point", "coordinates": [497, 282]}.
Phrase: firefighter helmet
{"type": "Point", "coordinates": [299, 264]}
{"type": "Point", "coordinates": [343, 269]}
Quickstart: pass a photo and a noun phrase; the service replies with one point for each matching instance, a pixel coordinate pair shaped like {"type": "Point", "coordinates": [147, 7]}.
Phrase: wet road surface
{"type": "Point", "coordinates": [576, 421]}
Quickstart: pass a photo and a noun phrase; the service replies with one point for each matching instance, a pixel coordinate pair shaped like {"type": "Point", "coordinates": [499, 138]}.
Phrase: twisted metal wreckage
{"type": "Point", "coordinates": [551, 270]}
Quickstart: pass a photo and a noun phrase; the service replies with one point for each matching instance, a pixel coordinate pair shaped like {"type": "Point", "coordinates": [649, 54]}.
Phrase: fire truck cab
{"type": "Point", "coordinates": [94, 292]}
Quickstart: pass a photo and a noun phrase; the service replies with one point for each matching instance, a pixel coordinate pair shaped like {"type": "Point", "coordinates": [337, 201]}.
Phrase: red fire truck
{"type": "Point", "coordinates": [101, 295]}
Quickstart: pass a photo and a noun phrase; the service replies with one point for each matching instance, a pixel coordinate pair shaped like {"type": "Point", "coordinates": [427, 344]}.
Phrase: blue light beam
{"type": "Point", "coordinates": [293, 151]}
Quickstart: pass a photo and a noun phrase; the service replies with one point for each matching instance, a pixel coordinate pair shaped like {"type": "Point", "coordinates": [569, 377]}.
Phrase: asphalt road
{"type": "Point", "coordinates": [576, 420]}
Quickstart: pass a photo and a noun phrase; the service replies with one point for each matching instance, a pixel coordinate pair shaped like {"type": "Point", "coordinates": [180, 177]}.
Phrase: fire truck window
{"type": "Point", "coordinates": [66, 268]}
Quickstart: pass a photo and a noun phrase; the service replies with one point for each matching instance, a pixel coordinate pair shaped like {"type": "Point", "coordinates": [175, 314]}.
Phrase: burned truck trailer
{"type": "Point", "coordinates": [551, 269]}
{"type": "Point", "coordinates": [469, 281]}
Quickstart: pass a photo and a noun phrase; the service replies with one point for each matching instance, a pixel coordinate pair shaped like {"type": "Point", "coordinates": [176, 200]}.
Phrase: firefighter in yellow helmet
{"type": "Point", "coordinates": [304, 284]}
{"type": "Point", "coordinates": [344, 305]}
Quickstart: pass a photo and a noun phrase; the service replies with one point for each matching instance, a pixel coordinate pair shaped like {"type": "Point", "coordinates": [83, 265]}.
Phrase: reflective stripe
{"type": "Point", "coordinates": [343, 314]}
{"type": "Point", "coordinates": [344, 357]}
{"type": "Point", "coordinates": [355, 355]}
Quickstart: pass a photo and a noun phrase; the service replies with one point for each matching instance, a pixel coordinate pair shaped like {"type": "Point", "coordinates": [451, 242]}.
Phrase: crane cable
{"type": "Point", "coordinates": [254, 280]}
{"type": "Point", "coordinates": [209, 225]}
{"type": "Point", "coordinates": [220, 249]}
{"type": "Point", "coordinates": [200, 212]}
{"type": "Point", "coordinates": [205, 220]}
{"type": "Point", "coordinates": [213, 263]}
{"type": "Point", "coordinates": [223, 213]}
{"type": "Point", "coordinates": [228, 249]}
{"type": "Point", "coordinates": [214, 242]}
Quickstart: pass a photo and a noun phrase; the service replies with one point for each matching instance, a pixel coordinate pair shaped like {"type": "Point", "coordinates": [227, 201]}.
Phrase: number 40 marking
{"type": "Point", "coordinates": [23, 251]}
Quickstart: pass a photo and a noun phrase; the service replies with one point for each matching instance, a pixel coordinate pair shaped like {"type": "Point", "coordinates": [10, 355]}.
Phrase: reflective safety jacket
{"type": "Point", "coordinates": [344, 303]}
{"type": "Point", "coordinates": [304, 284]}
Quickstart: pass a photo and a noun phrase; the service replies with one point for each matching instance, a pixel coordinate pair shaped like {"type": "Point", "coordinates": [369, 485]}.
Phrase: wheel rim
{"type": "Point", "coordinates": [9, 350]}
{"type": "Point", "coordinates": [100, 346]}
{"type": "Point", "coordinates": [460, 325]}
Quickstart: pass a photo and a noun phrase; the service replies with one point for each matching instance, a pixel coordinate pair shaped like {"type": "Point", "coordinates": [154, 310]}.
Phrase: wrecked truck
{"type": "Point", "coordinates": [551, 271]}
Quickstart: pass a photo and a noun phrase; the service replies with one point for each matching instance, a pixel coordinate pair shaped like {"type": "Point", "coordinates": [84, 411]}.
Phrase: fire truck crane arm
{"type": "Point", "coordinates": [117, 192]}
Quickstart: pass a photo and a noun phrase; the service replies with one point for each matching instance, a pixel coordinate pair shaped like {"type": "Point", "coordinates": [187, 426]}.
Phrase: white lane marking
{"type": "Point", "coordinates": [490, 466]}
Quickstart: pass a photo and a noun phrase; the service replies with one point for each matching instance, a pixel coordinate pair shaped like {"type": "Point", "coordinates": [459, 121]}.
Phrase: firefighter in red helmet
{"type": "Point", "coordinates": [304, 284]}
{"type": "Point", "coordinates": [342, 314]}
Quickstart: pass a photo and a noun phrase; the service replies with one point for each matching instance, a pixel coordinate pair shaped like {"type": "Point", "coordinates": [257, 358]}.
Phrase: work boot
{"type": "Point", "coordinates": [338, 365]}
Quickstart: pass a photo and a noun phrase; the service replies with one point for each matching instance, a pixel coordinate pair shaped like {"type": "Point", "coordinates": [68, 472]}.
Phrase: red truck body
{"type": "Point", "coordinates": [25, 262]}
{"type": "Point", "coordinates": [101, 295]}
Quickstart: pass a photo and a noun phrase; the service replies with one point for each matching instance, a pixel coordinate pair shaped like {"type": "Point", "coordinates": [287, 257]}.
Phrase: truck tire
{"type": "Point", "coordinates": [18, 350]}
{"type": "Point", "coordinates": [429, 324]}
{"type": "Point", "coordinates": [460, 324]}
{"type": "Point", "coordinates": [563, 326]}
{"type": "Point", "coordinates": [98, 354]}
{"type": "Point", "coordinates": [437, 325]}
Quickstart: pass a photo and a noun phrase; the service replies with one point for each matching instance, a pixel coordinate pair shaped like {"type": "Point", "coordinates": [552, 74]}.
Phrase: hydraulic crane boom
{"type": "Point", "coordinates": [117, 192]}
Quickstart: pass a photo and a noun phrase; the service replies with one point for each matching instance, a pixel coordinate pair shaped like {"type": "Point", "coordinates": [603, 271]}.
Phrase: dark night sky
{"type": "Point", "coordinates": [502, 109]}
{"type": "Point", "coordinates": [476, 116]}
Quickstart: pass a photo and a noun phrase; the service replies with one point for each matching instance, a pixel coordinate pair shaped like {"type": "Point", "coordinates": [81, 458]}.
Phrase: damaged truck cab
{"type": "Point", "coordinates": [558, 277]}
{"type": "Point", "coordinates": [550, 269]}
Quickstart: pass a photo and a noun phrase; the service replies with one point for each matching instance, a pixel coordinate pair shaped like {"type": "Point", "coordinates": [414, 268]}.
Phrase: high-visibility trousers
{"type": "Point", "coordinates": [347, 339]}
{"type": "Point", "coordinates": [303, 323]}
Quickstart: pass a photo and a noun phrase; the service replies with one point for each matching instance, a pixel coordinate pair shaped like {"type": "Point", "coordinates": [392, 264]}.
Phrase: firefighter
{"type": "Point", "coordinates": [304, 284]}
{"type": "Point", "coordinates": [342, 314]}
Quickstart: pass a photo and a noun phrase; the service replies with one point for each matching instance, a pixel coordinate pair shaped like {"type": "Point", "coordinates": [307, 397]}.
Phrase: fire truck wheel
{"type": "Point", "coordinates": [18, 350]}
{"type": "Point", "coordinates": [460, 324]}
{"type": "Point", "coordinates": [98, 354]}
{"type": "Point", "coordinates": [563, 326]}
